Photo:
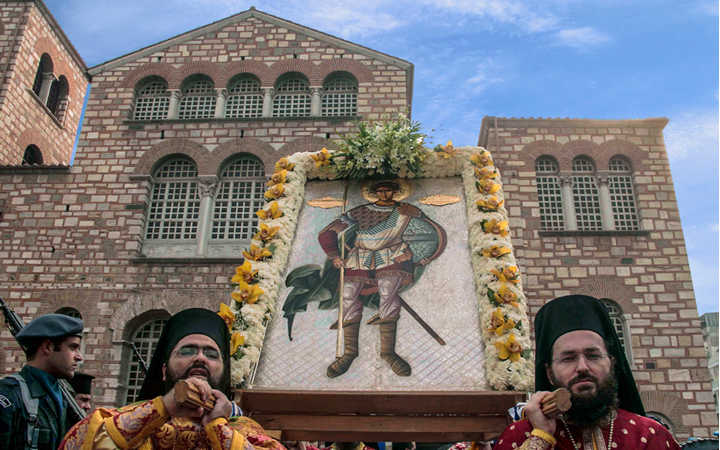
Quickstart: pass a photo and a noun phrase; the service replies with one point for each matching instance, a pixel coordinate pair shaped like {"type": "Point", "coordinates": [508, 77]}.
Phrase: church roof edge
{"type": "Point", "coordinates": [490, 122]}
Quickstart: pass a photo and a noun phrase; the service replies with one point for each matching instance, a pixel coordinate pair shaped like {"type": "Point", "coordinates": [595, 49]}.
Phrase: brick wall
{"type": "Point", "coordinates": [26, 35]}
{"type": "Point", "coordinates": [645, 273]}
{"type": "Point", "coordinates": [73, 237]}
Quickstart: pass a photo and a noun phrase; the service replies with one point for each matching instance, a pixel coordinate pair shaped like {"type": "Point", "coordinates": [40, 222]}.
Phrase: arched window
{"type": "Point", "coordinates": [618, 321]}
{"type": "Point", "coordinates": [245, 99]}
{"type": "Point", "coordinates": [585, 195]}
{"type": "Point", "coordinates": [32, 156]}
{"type": "Point", "coordinates": [68, 311]}
{"type": "Point", "coordinates": [240, 194]}
{"type": "Point", "coordinates": [622, 195]}
{"type": "Point", "coordinates": [292, 96]}
{"type": "Point", "coordinates": [43, 77]}
{"type": "Point", "coordinates": [145, 339]}
{"type": "Point", "coordinates": [198, 98]}
{"type": "Point", "coordinates": [58, 97]}
{"type": "Point", "coordinates": [339, 95]}
{"type": "Point", "coordinates": [152, 99]}
{"type": "Point", "coordinates": [549, 194]}
{"type": "Point", "coordinates": [174, 202]}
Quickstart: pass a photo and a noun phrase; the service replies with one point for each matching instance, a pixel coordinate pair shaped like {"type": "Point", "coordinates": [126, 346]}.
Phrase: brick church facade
{"type": "Point", "coordinates": [177, 141]}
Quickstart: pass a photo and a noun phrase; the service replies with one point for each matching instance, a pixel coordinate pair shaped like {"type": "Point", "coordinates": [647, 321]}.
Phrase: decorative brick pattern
{"type": "Point", "coordinates": [647, 275]}
{"type": "Point", "coordinates": [75, 237]}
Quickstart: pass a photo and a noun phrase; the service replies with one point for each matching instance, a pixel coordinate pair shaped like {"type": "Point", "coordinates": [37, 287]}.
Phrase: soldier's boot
{"type": "Point", "coordinates": [342, 364]}
{"type": "Point", "coordinates": [388, 332]}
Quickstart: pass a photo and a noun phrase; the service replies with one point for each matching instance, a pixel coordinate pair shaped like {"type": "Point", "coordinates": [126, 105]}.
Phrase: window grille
{"type": "Point", "coordinates": [145, 340]}
{"type": "Point", "coordinates": [198, 99]}
{"type": "Point", "coordinates": [239, 196]}
{"type": "Point", "coordinates": [152, 101]}
{"type": "Point", "coordinates": [549, 194]}
{"type": "Point", "coordinates": [340, 96]}
{"type": "Point", "coordinates": [622, 195]}
{"type": "Point", "coordinates": [585, 195]}
{"type": "Point", "coordinates": [45, 66]}
{"type": "Point", "coordinates": [618, 321]}
{"type": "Point", "coordinates": [292, 97]}
{"type": "Point", "coordinates": [245, 98]}
{"type": "Point", "coordinates": [174, 204]}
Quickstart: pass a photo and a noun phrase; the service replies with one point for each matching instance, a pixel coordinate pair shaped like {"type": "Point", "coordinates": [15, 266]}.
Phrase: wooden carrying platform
{"type": "Point", "coordinates": [372, 416]}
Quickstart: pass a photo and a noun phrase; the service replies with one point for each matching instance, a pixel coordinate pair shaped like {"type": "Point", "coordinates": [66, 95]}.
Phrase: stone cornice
{"type": "Point", "coordinates": [490, 122]}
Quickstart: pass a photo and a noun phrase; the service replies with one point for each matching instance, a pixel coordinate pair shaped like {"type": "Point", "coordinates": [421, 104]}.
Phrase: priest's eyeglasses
{"type": "Point", "coordinates": [187, 351]}
{"type": "Point", "coordinates": [571, 360]}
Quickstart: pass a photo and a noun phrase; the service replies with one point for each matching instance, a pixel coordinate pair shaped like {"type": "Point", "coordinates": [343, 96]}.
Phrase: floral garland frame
{"type": "Point", "coordinates": [502, 304]}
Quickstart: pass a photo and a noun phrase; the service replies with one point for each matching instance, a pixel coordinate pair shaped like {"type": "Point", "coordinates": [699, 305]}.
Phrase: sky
{"type": "Point", "coordinates": [600, 59]}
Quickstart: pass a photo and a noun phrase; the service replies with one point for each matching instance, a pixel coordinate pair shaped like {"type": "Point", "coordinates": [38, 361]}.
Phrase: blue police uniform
{"type": "Point", "coordinates": [16, 428]}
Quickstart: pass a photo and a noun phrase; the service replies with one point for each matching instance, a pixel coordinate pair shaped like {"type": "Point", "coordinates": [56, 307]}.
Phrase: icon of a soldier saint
{"type": "Point", "coordinates": [388, 243]}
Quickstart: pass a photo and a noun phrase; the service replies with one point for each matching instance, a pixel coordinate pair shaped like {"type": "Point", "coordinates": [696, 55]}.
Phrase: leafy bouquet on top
{"type": "Point", "coordinates": [381, 149]}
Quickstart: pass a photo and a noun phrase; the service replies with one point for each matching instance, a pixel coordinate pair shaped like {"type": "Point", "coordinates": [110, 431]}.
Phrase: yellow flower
{"type": "Point", "coordinates": [283, 164]}
{"type": "Point", "coordinates": [506, 295]}
{"type": "Point", "coordinates": [496, 251]}
{"type": "Point", "coordinates": [246, 293]}
{"type": "Point", "coordinates": [511, 348]}
{"type": "Point", "coordinates": [236, 341]}
{"type": "Point", "coordinates": [490, 204]}
{"type": "Point", "coordinates": [275, 191]}
{"type": "Point", "coordinates": [508, 274]}
{"type": "Point", "coordinates": [266, 233]}
{"type": "Point", "coordinates": [277, 178]}
{"type": "Point", "coordinates": [244, 273]}
{"type": "Point", "coordinates": [446, 150]}
{"type": "Point", "coordinates": [227, 315]}
{"type": "Point", "coordinates": [322, 158]}
{"type": "Point", "coordinates": [481, 159]}
{"type": "Point", "coordinates": [499, 323]}
{"type": "Point", "coordinates": [487, 186]}
{"type": "Point", "coordinates": [273, 212]}
{"type": "Point", "coordinates": [484, 173]}
{"type": "Point", "coordinates": [499, 227]}
{"type": "Point", "coordinates": [256, 253]}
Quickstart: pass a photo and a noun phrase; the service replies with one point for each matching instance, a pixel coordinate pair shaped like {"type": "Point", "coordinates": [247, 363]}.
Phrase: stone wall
{"type": "Point", "coordinates": [645, 272]}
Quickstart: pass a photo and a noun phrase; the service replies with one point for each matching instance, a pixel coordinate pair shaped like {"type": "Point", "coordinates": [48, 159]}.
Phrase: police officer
{"type": "Point", "coordinates": [52, 347]}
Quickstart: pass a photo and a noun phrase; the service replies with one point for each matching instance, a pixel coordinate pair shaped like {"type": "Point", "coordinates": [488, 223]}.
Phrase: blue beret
{"type": "Point", "coordinates": [50, 326]}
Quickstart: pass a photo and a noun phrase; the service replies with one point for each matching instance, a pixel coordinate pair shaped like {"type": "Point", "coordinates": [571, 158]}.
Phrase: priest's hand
{"type": "Point", "coordinates": [175, 409]}
{"type": "Point", "coordinates": [533, 412]}
{"type": "Point", "coordinates": [222, 408]}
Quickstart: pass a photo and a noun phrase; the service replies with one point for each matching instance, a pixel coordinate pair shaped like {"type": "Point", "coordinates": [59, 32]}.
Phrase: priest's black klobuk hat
{"type": "Point", "coordinates": [82, 383]}
{"type": "Point", "coordinates": [187, 322]}
{"type": "Point", "coordinates": [582, 312]}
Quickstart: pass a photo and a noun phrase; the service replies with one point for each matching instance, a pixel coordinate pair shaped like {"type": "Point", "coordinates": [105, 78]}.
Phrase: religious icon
{"type": "Point", "coordinates": [378, 250]}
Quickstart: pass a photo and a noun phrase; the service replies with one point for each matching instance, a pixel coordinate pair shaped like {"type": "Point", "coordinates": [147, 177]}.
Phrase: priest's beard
{"type": "Point", "coordinates": [171, 377]}
{"type": "Point", "coordinates": [592, 411]}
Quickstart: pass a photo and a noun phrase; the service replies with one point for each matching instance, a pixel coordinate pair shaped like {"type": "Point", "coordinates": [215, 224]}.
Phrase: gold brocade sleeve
{"type": "Point", "coordinates": [253, 434]}
{"type": "Point", "coordinates": [135, 423]}
{"type": "Point", "coordinates": [535, 443]}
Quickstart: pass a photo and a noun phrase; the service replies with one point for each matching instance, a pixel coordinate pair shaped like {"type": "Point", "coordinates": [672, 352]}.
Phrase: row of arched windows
{"type": "Point", "coordinates": [243, 98]}
{"type": "Point", "coordinates": [52, 91]}
{"type": "Point", "coordinates": [586, 200]}
{"type": "Point", "coordinates": [174, 212]}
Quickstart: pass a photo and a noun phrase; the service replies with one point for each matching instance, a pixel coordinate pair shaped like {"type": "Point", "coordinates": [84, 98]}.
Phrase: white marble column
{"type": "Point", "coordinates": [315, 102]}
{"type": "Point", "coordinates": [267, 102]}
{"type": "Point", "coordinates": [220, 102]}
{"type": "Point", "coordinates": [47, 81]}
{"type": "Point", "coordinates": [568, 203]}
{"type": "Point", "coordinates": [207, 187]}
{"type": "Point", "coordinates": [173, 107]}
{"type": "Point", "coordinates": [606, 213]}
